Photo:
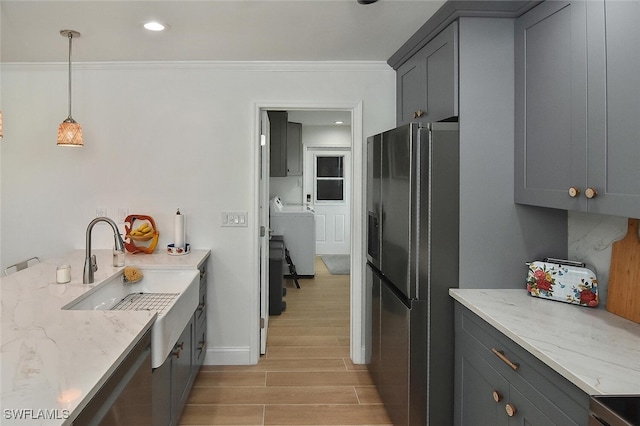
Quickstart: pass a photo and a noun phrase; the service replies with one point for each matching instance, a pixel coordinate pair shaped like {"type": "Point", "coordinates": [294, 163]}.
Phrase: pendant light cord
{"type": "Point", "coordinates": [70, 37]}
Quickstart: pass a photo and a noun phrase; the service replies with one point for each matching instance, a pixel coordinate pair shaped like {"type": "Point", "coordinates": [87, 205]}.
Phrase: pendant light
{"type": "Point", "coordinates": [69, 131]}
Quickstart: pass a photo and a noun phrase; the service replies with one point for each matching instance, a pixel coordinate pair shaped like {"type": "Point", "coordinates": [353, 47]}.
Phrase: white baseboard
{"type": "Point", "coordinates": [228, 356]}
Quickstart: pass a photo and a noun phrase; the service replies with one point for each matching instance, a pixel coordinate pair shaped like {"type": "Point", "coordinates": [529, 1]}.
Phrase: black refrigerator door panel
{"type": "Point", "coordinates": [394, 356]}
{"type": "Point", "coordinates": [399, 353]}
{"type": "Point", "coordinates": [372, 329]}
{"type": "Point", "coordinates": [396, 196]}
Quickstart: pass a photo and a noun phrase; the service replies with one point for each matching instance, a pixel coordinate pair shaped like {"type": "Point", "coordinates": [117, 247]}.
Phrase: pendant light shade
{"type": "Point", "coordinates": [69, 131]}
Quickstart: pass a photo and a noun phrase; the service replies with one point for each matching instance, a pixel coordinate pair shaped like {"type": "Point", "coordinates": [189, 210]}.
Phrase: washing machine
{"type": "Point", "coordinates": [297, 225]}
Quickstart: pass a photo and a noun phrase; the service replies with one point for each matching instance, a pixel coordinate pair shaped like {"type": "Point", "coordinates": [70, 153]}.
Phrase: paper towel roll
{"type": "Point", "coordinates": [179, 230]}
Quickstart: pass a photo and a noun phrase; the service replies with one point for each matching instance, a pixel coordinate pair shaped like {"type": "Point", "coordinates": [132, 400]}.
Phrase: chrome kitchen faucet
{"type": "Point", "coordinates": [90, 264]}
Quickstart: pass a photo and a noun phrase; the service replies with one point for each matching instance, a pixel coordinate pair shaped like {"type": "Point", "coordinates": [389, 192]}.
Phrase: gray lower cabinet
{"type": "Point", "coordinates": [576, 126]}
{"type": "Point", "coordinates": [126, 397]}
{"type": "Point", "coordinates": [497, 382]}
{"type": "Point", "coordinates": [427, 84]}
{"type": "Point", "coordinates": [181, 372]}
{"type": "Point", "coordinates": [200, 324]}
{"type": "Point", "coordinates": [173, 380]}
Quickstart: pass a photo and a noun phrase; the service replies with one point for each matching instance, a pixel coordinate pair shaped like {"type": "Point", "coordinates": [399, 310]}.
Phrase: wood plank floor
{"type": "Point", "coordinates": [306, 377]}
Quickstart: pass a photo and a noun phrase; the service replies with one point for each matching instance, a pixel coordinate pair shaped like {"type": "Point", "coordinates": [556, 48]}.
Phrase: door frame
{"type": "Point", "coordinates": [263, 221]}
{"type": "Point", "coordinates": [357, 350]}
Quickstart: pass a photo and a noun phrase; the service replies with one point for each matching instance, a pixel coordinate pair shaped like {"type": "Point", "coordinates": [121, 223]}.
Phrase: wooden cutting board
{"type": "Point", "coordinates": [623, 296]}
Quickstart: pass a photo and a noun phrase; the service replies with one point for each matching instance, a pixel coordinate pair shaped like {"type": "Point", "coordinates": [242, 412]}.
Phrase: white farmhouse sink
{"type": "Point", "coordinates": [177, 288]}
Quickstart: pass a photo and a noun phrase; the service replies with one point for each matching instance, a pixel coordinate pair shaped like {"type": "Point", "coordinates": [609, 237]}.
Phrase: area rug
{"type": "Point", "coordinates": [337, 264]}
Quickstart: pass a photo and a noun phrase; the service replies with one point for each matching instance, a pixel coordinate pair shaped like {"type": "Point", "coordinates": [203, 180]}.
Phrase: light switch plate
{"type": "Point", "coordinates": [122, 214]}
{"type": "Point", "coordinates": [234, 219]}
{"type": "Point", "coordinates": [101, 212]}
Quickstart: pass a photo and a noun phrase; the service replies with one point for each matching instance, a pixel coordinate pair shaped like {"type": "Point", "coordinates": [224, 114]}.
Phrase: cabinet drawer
{"type": "Point", "coordinates": [544, 387]}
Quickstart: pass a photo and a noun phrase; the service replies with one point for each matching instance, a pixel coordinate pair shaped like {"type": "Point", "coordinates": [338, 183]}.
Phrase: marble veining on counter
{"type": "Point", "coordinates": [52, 360]}
{"type": "Point", "coordinates": [597, 351]}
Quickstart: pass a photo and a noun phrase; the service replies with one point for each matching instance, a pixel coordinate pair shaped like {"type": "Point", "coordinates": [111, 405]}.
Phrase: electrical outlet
{"type": "Point", "coordinates": [101, 212]}
{"type": "Point", "coordinates": [235, 219]}
{"type": "Point", "coordinates": [122, 214]}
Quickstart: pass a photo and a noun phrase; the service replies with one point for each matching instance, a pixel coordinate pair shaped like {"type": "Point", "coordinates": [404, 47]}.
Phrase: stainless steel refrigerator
{"type": "Point", "coordinates": [412, 261]}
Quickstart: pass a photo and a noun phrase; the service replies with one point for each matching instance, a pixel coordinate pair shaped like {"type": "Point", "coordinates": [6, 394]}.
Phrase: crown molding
{"type": "Point", "coordinates": [263, 66]}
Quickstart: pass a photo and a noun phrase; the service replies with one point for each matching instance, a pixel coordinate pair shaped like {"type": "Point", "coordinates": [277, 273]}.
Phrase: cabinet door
{"type": "Point", "coordinates": [294, 149]}
{"type": "Point", "coordinates": [427, 84]}
{"type": "Point", "coordinates": [480, 391]}
{"type": "Point", "coordinates": [278, 143]}
{"type": "Point", "coordinates": [411, 90]}
{"type": "Point", "coordinates": [526, 413]}
{"type": "Point", "coordinates": [181, 371]}
{"type": "Point", "coordinates": [614, 106]}
{"type": "Point", "coordinates": [550, 96]}
{"type": "Point", "coordinates": [161, 378]}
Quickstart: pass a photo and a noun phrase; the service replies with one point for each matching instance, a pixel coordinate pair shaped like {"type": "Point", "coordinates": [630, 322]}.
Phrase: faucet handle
{"type": "Point", "coordinates": [94, 263]}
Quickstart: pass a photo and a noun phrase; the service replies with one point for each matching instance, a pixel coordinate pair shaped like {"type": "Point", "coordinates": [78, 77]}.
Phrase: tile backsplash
{"type": "Point", "coordinates": [590, 238]}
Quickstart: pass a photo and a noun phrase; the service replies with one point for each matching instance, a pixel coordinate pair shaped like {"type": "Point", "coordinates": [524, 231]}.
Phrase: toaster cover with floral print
{"type": "Point", "coordinates": [564, 281]}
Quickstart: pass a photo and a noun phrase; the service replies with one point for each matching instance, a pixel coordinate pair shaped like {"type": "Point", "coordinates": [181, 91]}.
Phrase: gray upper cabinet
{"type": "Point", "coordinates": [551, 97]}
{"type": "Point", "coordinates": [614, 107]}
{"type": "Point", "coordinates": [294, 149]}
{"type": "Point", "coordinates": [577, 127]}
{"type": "Point", "coordinates": [285, 147]}
{"type": "Point", "coordinates": [427, 84]}
{"type": "Point", "coordinates": [277, 143]}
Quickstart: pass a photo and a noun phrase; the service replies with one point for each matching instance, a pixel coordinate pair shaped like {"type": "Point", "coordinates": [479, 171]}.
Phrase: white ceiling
{"type": "Point", "coordinates": [210, 30]}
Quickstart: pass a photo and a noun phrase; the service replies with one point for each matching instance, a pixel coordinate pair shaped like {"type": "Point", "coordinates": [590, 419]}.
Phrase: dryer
{"type": "Point", "coordinates": [297, 225]}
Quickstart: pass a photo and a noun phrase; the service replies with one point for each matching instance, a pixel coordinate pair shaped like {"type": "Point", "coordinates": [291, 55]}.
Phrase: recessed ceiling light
{"type": "Point", "coordinates": [339, 122]}
{"type": "Point", "coordinates": [154, 26]}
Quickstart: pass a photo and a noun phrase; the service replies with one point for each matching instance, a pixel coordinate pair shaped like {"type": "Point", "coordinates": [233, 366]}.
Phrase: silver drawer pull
{"type": "Point", "coordinates": [500, 354]}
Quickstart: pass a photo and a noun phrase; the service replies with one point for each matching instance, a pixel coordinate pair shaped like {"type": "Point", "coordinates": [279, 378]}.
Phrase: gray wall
{"type": "Point", "coordinates": [497, 236]}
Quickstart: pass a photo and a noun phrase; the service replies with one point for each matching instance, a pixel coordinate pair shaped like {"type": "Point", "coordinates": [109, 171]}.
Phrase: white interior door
{"type": "Point", "coordinates": [263, 238]}
{"type": "Point", "coordinates": [327, 189]}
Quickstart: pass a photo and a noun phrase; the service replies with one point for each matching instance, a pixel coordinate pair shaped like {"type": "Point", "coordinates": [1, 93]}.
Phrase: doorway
{"type": "Point", "coordinates": [327, 186]}
{"type": "Point", "coordinates": [355, 197]}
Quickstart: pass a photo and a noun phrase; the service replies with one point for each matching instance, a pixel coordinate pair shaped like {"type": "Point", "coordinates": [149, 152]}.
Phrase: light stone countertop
{"type": "Point", "coordinates": [594, 349]}
{"type": "Point", "coordinates": [53, 361]}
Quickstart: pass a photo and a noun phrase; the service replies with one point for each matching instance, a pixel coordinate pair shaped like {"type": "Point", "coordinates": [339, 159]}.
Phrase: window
{"type": "Point", "coordinates": [329, 178]}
